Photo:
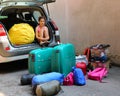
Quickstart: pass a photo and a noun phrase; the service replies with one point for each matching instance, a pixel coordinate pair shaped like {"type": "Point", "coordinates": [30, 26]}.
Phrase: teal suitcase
{"type": "Point", "coordinates": [39, 61]}
{"type": "Point", "coordinates": [63, 58]}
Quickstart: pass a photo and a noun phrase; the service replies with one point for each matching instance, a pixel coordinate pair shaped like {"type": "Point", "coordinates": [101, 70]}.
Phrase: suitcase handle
{"type": "Point", "coordinates": [57, 51]}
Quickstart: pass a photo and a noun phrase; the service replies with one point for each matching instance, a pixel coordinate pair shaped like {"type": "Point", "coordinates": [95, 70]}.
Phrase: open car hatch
{"type": "Point", "coordinates": [19, 2]}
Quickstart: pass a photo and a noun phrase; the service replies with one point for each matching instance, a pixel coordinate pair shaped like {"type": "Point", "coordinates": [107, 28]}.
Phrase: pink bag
{"type": "Point", "coordinates": [68, 80]}
{"type": "Point", "coordinates": [97, 74]}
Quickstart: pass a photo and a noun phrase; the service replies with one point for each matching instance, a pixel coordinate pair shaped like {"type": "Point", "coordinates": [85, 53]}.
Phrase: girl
{"type": "Point", "coordinates": [42, 31]}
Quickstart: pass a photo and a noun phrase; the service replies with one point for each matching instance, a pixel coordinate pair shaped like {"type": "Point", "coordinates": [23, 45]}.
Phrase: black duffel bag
{"type": "Point", "coordinates": [26, 79]}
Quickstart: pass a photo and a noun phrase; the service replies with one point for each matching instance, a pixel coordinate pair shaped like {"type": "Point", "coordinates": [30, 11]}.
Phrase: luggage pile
{"type": "Point", "coordinates": [75, 77]}
{"type": "Point", "coordinates": [97, 54]}
{"type": "Point", "coordinates": [49, 66]}
{"type": "Point", "coordinates": [98, 61]}
{"type": "Point", "coordinates": [47, 84]}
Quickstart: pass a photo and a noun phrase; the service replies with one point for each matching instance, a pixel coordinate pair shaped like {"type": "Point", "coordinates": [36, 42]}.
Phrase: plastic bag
{"type": "Point", "coordinates": [21, 33]}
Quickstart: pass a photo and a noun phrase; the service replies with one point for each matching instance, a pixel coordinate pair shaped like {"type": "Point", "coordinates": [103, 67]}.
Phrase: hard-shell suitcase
{"type": "Point", "coordinates": [63, 58]}
{"type": "Point", "coordinates": [39, 60]}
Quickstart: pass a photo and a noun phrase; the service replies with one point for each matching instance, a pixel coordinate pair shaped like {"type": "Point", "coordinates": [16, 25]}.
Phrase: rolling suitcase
{"type": "Point", "coordinates": [39, 61]}
{"type": "Point", "coordinates": [63, 58]}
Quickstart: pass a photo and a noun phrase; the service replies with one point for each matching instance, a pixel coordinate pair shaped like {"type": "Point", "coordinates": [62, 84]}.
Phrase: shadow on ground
{"type": "Point", "coordinates": [14, 66]}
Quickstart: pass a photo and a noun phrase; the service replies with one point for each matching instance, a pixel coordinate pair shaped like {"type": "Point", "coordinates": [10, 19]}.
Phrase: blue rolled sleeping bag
{"type": "Point", "coordinates": [39, 79]}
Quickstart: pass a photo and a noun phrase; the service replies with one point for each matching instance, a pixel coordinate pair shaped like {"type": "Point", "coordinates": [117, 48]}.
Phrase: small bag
{"type": "Point", "coordinates": [82, 58]}
{"type": "Point", "coordinates": [97, 74]}
{"type": "Point", "coordinates": [79, 78]}
{"type": "Point", "coordinates": [82, 66]}
{"type": "Point", "coordinates": [68, 80]}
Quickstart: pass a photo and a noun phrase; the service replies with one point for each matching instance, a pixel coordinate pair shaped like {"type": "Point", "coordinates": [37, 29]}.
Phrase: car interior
{"type": "Point", "coordinates": [15, 17]}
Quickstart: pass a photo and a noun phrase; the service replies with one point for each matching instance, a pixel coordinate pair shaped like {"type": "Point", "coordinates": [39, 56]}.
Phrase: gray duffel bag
{"type": "Point", "coordinates": [48, 89]}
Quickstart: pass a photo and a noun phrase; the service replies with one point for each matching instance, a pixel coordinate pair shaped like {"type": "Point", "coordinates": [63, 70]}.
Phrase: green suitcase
{"type": "Point", "coordinates": [63, 58]}
{"type": "Point", "coordinates": [39, 61]}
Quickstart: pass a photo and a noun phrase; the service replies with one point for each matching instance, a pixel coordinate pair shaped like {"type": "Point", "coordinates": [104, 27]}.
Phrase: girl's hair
{"type": "Point", "coordinates": [41, 17]}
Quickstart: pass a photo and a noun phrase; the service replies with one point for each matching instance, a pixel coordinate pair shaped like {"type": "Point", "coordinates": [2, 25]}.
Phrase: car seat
{"type": "Point", "coordinates": [28, 19]}
{"type": "Point", "coordinates": [11, 20]}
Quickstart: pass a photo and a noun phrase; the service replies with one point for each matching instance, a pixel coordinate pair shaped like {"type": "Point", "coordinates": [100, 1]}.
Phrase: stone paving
{"type": "Point", "coordinates": [10, 83]}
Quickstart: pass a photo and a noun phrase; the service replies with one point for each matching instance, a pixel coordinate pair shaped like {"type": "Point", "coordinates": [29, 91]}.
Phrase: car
{"type": "Point", "coordinates": [23, 11]}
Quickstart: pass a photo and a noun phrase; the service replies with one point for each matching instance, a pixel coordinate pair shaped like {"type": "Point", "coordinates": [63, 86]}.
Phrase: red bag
{"type": "Point", "coordinates": [82, 66]}
{"type": "Point", "coordinates": [68, 80]}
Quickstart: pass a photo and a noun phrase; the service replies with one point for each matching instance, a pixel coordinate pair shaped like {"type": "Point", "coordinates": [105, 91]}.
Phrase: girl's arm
{"type": "Point", "coordinates": [36, 33]}
{"type": "Point", "coordinates": [46, 34]}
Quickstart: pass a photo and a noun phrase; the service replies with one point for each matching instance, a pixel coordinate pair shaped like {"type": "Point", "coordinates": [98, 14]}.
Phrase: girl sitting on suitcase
{"type": "Point", "coordinates": [42, 31]}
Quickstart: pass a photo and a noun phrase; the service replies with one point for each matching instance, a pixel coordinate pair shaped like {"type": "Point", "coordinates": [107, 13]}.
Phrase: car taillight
{"type": "Point", "coordinates": [57, 35]}
{"type": "Point", "coordinates": [7, 48]}
{"type": "Point", "coordinates": [2, 30]}
{"type": "Point", "coordinates": [3, 38]}
{"type": "Point", "coordinates": [54, 25]}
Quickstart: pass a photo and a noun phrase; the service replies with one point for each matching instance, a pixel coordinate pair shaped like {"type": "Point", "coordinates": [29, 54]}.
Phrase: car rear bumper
{"type": "Point", "coordinates": [14, 58]}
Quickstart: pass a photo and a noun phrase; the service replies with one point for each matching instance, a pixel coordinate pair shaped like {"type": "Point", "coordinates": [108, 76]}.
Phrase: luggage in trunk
{"type": "Point", "coordinates": [63, 58]}
{"type": "Point", "coordinates": [40, 60]}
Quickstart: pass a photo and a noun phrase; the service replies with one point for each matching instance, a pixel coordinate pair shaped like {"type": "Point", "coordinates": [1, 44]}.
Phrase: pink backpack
{"type": "Point", "coordinates": [97, 74]}
{"type": "Point", "coordinates": [68, 80]}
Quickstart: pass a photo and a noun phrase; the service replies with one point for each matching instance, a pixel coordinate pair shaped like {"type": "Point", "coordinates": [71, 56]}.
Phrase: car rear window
{"type": "Point", "coordinates": [22, 15]}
